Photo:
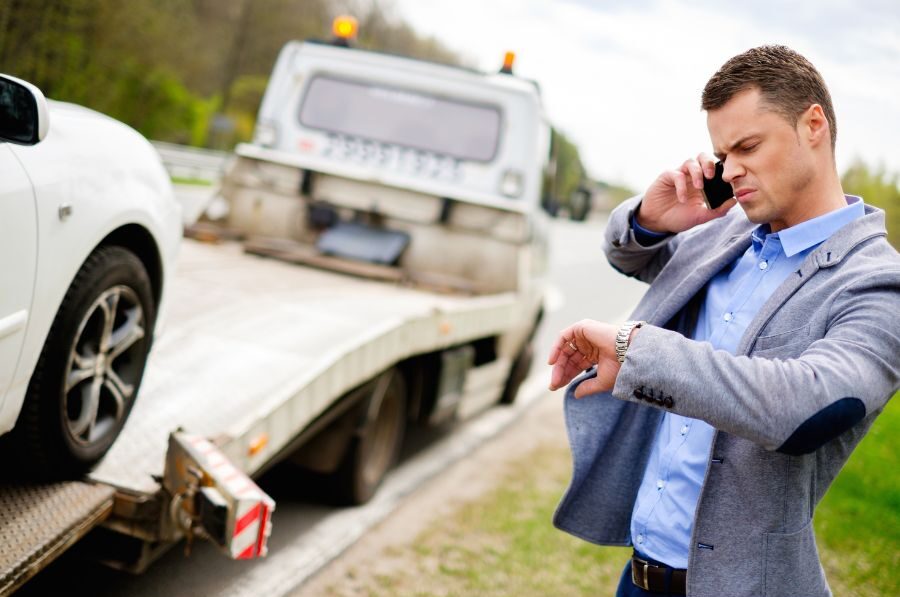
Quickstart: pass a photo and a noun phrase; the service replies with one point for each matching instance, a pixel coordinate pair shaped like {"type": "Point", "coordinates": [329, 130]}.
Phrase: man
{"type": "Point", "coordinates": [764, 348]}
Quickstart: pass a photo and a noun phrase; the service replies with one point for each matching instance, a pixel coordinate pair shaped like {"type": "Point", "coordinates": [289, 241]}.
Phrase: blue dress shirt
{"type": "Point", "coordinates": [663, 515]}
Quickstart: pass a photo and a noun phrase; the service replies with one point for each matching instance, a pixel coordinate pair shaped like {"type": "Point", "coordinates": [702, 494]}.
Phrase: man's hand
{"type": "Point", "coordinates": [674, 202]}
{"type": "Point", "coordinates": [579, 347]}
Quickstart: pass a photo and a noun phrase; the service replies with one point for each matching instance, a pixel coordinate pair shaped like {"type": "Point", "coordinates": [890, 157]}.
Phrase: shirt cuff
{"type": "Point", "coordinates": [643, 236]}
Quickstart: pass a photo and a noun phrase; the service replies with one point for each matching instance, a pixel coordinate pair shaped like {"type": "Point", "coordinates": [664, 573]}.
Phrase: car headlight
{"type": "Point", "coordinates": [265, 134]}
{"type": "Point", "coordinates": [512, 183]}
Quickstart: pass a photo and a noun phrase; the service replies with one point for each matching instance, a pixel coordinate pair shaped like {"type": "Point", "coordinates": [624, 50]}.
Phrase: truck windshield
{"type": "Point", "coordinates": [465, 131]}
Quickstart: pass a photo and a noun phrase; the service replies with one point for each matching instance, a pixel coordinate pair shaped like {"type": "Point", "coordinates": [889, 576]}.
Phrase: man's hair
{"type": "Point", "coordinates": [787, 81]}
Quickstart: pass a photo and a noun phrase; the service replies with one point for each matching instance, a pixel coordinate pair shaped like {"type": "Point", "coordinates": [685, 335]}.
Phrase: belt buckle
{"type": "Point", "coordinates": [636, 564]}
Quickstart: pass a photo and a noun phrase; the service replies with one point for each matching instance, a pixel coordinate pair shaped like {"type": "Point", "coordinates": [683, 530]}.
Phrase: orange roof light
{"type": "Point", "coordinates": [344, 27]}
{"type": "Point", "coordinates": [508, 59]}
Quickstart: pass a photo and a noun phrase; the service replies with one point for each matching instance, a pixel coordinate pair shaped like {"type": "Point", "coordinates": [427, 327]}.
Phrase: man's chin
{"type": "Point", "coordinates": [756, 216]}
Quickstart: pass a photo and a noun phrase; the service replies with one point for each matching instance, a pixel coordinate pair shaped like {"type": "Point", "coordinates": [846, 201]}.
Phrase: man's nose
{"type": "Point", "coordinates": [731, 169]}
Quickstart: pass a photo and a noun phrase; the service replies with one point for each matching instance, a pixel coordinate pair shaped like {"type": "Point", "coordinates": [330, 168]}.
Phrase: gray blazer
{"type": "Point", "coordinates": [815, 367]}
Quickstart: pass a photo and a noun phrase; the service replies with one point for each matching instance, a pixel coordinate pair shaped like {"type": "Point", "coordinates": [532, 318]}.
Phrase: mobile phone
{"type": "Point", "coordinates": [715, 190]}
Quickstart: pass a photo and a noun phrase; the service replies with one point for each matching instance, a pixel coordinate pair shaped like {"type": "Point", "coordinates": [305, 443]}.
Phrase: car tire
{"type": "Point", "coordinates": [89, 371]}
{"type": "Point", "coordinates": [374, 449]}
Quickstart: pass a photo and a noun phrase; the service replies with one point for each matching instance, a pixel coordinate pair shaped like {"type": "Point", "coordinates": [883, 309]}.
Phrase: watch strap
{"type": "Point", "coordinates": [623, 336]}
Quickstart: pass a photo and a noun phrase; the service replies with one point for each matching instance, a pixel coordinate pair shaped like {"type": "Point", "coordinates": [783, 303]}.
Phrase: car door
{"type": "Point", "coordinates": [18, 251]}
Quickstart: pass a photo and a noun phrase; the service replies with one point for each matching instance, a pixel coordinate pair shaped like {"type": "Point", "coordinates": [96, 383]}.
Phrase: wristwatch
{"type": "Point", "coordinates": [622, 337]}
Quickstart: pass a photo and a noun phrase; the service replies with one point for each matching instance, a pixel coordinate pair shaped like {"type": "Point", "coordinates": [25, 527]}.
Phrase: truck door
{"type": "Point", "coordinates": [18, 249]}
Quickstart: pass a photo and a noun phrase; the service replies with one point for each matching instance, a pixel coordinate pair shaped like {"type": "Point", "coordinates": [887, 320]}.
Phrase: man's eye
{"type": "Point", "coordinates": [749, 148]}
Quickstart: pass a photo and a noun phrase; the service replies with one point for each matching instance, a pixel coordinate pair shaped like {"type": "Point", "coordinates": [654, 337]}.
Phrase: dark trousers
{"type": "Point", "coordinates": [628, 589]}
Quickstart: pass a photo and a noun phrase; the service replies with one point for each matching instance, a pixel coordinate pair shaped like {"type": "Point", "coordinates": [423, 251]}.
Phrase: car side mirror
{"type": "Point", "coordinates": [550, 205]}
{"type": "Point", "coordinates": [24, 115]}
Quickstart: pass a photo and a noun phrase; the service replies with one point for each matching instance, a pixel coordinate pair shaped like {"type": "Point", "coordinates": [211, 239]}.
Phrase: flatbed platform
{"type": "Point", "coordinates": [257, 346]}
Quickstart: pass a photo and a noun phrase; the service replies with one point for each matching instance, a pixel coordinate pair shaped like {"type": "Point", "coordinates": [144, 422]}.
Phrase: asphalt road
{"type": "Point", "coordinates": [307, 534]}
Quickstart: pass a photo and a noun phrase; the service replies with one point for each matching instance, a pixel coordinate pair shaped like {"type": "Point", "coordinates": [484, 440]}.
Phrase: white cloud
{"type": "Point", "coordinates": [624, 79]}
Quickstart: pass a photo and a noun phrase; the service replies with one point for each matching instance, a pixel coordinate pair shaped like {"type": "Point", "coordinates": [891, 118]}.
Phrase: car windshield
{"type": "Point", "coordinates": [462, 130]}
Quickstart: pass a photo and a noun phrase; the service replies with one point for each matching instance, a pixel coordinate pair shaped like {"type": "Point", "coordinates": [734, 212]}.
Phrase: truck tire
{"type": "Point", "coordinates": [373, 450]}
{"type": "Point", "coordinates": [517, 373]}
{"type": "Point", "coordinates": [89, 371]}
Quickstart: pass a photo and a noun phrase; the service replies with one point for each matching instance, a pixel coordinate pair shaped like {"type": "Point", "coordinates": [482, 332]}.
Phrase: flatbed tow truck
{"type": "Point", "coordinates": [346, 284]}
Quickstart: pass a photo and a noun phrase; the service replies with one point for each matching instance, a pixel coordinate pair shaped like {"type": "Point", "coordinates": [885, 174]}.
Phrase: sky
{"type": "Point", "coordinates": [623, 78]}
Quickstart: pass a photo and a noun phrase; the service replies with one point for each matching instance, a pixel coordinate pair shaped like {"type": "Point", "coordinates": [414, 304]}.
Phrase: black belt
{"type": "Point", "coordinates": [652, 577]}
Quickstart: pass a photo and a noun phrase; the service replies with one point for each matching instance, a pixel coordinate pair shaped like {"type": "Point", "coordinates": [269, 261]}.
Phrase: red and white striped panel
{"type": "Point", "coordinates": [252, 527]}
{"type": "Point", "coordinates": [250, 508]}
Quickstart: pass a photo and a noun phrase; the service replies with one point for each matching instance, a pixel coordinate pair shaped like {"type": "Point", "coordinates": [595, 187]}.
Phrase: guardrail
{"type": "Point", "coordinates": [182, 161]}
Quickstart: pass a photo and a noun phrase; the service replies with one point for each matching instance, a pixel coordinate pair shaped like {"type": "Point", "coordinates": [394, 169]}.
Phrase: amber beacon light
{"type": "Point", "coordinates": [344, 27]}
{"type": "Point", "coordinates": [508, 59]}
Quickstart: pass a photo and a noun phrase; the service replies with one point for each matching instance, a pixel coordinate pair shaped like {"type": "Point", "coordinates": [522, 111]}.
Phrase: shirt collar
{"type": "Point", "coordinates": [810, 233]}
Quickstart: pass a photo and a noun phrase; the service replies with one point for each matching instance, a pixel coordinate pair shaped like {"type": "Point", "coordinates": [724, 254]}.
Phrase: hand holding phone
{"type": "Point", "coordinates": [715, 190]}
{"type": "Point", "coordinates": [676, 200]}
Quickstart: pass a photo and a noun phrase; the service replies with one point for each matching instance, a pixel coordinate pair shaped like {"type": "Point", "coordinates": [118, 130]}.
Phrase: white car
{"type": "Point", "coordinates": [89, 231]}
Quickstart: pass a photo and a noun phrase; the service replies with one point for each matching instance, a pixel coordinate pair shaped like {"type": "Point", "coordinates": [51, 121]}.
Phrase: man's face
{"type": "Point", "coordinates": [765, 159]}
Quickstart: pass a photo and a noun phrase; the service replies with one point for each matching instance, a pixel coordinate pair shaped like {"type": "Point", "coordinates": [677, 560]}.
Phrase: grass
{"type": "Point", "coordinates": [504, 543]}
{"type": "Point", "coordinates": [200, 182]}
{"type": "Point", "coordinates": [858, 522]}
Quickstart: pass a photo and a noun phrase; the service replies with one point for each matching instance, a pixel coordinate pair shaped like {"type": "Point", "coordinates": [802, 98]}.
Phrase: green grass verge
{"type": "Point", "coordinates": [504, 543]}
{"type": "Point", "coordinates": [858, 522]}
{"type": "Point", "coordinates": [199, 182]}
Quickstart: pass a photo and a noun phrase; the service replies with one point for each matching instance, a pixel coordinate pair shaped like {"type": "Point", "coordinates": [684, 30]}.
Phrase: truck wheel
{"type": "Point", "coordinates": [517, 374]}
{"type": "Point", "coordinates": [90, 368]}
{"type": "Point", "coordinates": [375, 447]}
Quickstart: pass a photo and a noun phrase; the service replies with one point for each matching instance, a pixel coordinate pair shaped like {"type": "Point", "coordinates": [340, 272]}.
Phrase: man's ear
{"type": "Point", "coordinates": [814, 125]}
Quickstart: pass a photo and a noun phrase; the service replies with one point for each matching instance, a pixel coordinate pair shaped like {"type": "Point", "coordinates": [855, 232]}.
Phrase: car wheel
{"type": "Point", "coordinates": [373, 451]}
{"type": "Point", "coordinates": [89, 372]}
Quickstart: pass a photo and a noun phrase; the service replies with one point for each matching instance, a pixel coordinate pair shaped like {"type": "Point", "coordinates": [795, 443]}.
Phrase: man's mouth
{"type": "Point", "coordinates": [743, 194]}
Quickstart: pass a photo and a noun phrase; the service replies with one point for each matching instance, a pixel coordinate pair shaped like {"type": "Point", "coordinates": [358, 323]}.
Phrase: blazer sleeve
{"type": "Point", "coordinates": [623, 251]}
{"type": "Point", "coordinates": [792, 405]}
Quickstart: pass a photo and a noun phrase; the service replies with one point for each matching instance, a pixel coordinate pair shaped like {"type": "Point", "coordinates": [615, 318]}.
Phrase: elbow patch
{"type": "Point", "coordinates": [824, 426]}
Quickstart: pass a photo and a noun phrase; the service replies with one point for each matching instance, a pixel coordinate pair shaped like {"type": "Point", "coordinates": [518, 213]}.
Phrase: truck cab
{"type": "Point", "coordinates": [437, 170]}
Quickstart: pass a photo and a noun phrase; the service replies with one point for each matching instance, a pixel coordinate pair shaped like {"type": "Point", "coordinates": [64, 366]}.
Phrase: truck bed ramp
{"type": "Point", "coordinates": [39, 521]}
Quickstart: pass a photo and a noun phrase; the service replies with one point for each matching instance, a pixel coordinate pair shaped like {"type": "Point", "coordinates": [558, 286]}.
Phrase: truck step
{"type": "Point", "coordinates": [39, 521]}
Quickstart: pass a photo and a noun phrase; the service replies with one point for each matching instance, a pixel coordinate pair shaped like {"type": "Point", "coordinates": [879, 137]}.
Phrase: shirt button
{"type": "Point", "coordinates": [763, 264]}
{"type": "Point", "coordinates": [640, 538]}
{"type": "Point", "coordinates": [684, 430]}
{"type": "Point", "coordinates": [728, 317]}
{"type": "Point", "coordinates": [660, 484]}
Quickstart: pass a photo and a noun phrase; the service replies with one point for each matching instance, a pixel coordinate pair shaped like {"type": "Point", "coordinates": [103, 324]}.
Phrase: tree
{"type": "Point", "coordinates": [170, 68]}
{"type": "Point", "coordinates": [569, 169]}
{"type": "Point", "coordinates": [877, 187]}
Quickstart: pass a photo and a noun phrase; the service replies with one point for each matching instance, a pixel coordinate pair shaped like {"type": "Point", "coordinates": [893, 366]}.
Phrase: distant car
{"type": "Point", "coordinates": [89, 230]}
